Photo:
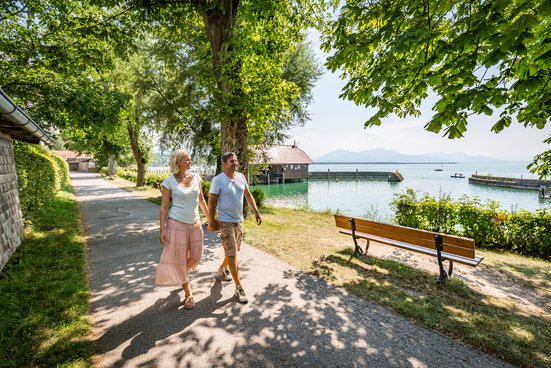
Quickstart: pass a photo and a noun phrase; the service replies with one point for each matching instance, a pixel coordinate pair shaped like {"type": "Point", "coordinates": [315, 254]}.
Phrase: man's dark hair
{"type": "Point", "coordinates": [226, 156]}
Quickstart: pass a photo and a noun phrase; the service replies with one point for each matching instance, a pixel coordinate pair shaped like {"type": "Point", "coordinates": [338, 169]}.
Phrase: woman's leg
{"type": "Point", "coordinates": [196, 246]}
{"type": "Point", "coordinates": [187, 290]}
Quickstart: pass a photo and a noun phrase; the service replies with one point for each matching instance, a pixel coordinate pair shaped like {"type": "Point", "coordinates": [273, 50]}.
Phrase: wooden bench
{"type": "Point", "coordinates": [444, 247]}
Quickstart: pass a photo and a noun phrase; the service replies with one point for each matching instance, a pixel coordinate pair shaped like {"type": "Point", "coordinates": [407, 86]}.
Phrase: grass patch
{"type": "Point", "coordinates": [44, 293]}
{"type": "Point", "coordinates": [310, 241]}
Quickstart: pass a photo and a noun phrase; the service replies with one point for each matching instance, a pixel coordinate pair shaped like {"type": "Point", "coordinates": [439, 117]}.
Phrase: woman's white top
{"type": "Point", "coordinates": [185, 200]}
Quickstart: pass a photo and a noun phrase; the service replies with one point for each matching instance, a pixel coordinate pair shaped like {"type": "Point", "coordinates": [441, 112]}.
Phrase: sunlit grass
{"type": "Point", "coordinates": [44, 293]}
{"type": "Point", "coordinates": [310, 241]}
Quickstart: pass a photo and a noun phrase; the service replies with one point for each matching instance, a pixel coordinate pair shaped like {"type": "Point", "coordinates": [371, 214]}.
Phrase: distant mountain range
{"type": "Point", "coordinates": [388, 156]}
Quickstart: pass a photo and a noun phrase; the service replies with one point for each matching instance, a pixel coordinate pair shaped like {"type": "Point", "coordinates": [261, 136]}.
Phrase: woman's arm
{"type": "Point", "coordinates": [203, 204]}
{"type": "Point", "coordinates": [165, 205]}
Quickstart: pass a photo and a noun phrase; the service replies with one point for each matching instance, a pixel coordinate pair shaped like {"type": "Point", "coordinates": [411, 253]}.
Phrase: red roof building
{"type": "Point", "coordinates": [77, 161]}
{"type": "Point", "coordinates": [282, 163]}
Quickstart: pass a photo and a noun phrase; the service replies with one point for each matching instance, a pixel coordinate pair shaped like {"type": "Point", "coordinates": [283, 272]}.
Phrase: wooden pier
{"type": "Point", "coordinates": [504, 182]}
{"type": "Point", "coordinates": [356, 175]}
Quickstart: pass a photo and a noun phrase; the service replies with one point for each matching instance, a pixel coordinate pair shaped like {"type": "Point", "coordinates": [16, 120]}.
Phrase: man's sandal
{"type": "Point", "coordinates": [189, 303]}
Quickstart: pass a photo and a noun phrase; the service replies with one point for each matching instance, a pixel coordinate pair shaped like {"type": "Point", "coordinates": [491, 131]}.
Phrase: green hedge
{"type": "Point", "coordinates": [63, 171]}
{"type": "Point", "coordinates": [151, 179]}
{"type": "Point", "coordinates": [41, 174]}
{"type": "Point", "coordinates": [523, 232]}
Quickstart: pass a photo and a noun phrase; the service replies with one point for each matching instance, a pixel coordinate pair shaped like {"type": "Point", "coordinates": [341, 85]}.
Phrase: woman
{"type": "Point", "coordinates": [181, 233]}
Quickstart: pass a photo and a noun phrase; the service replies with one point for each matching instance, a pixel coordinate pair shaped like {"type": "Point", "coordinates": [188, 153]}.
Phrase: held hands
{"type": "Point", "coordinates": [213, 225]}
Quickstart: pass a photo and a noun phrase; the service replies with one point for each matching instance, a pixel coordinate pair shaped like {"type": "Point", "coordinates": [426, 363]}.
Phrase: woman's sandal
{"type": "Point", "coordinates": [189, 303]}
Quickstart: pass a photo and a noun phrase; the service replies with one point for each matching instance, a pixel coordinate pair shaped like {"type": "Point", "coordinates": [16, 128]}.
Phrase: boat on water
{"type": "Point", "coordinates": [457, 175]}
{"type": "Point", "coordinates": [438, 169]}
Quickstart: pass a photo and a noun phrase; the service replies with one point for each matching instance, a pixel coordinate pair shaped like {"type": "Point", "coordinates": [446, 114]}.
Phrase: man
{"type": "Point", "coordinates": [226, 196]}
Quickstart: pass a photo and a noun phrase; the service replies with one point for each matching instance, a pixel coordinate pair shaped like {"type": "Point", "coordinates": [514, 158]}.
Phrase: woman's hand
{"type": "Point", "coordinates": [162, 238]}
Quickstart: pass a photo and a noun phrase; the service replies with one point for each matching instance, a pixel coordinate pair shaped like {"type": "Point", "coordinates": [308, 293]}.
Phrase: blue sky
{"type": "Point", "coordinates": [338, 124]}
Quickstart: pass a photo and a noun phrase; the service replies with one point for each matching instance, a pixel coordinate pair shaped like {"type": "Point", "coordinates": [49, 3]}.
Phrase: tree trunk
{"type": "Point", "coordinates": [219, 24]}
{"type": "Point", "coordinates": [112, 165]}
{"type": "Point", "coordinates": [134, 135]}
{"type": "Point", "coordinates": [234, 139]}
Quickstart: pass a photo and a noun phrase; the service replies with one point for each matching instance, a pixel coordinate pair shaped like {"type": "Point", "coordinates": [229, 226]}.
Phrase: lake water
{"type": "Point", "coordinates": [373, 198]}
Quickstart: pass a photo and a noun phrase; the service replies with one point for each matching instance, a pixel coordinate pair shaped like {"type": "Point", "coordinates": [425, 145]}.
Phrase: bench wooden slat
{"type": "Point", "coordinates": [342, 221]}
{"type": "Point", "coordinates": [461, 246]}
{"type": "Point", "coordinates": [419, 249]}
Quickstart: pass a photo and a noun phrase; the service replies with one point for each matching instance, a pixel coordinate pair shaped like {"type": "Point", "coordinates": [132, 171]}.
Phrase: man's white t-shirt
{"type": "Point", "coordinates": [185, 200]}
{"type": "Point", "coordinates": [230, 196]}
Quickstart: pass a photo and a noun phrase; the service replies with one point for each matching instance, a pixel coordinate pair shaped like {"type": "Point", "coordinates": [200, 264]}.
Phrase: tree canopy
{"type": "Point", "coordinates": [51, 56]}
{"type": "Point", "coordinates": [241, 50]}
{"type": "Point", "coordinates": [478, 57]}
{"type": "Point", "coordinates": [227, 73]}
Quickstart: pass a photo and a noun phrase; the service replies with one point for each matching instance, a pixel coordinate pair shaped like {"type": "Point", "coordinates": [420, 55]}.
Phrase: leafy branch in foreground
{"type": "Point", "coordinates": [478, 57]}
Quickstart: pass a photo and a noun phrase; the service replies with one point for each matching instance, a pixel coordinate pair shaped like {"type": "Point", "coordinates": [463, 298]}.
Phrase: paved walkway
{"type": "Point", "coordinates": [292, 320]}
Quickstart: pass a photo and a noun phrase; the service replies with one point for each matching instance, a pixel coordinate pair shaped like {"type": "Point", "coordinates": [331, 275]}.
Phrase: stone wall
{"type": "Point", "coordinates": [11, 219]}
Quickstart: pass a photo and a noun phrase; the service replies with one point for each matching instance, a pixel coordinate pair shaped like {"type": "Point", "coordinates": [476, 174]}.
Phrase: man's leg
{"type": "Point", "coordinates": [227, 234]}
{"type": "Point", "coordinates": [234, 268]}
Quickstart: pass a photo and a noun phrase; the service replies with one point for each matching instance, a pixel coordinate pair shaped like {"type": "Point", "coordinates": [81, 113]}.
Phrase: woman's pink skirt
{"type": "Point", "coordinates": [182, 253]}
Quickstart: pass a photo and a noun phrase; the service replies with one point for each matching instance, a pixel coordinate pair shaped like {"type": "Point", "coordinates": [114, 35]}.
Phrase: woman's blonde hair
{"type": "Point", "coordinates": [175, 158]}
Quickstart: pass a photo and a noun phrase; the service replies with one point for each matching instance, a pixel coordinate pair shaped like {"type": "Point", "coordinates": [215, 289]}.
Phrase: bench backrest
{"type": "Point", "coordinates": [451, 244]}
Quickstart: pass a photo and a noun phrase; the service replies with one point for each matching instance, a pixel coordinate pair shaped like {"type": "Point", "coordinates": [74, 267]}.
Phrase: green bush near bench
{"type": "Point", "coordinates": [523, 232]}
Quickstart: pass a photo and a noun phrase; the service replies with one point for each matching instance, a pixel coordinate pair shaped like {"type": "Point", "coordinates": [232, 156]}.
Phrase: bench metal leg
{"type": "Point", "coordinates": [357, 248]}
{"type": "Point", "coordinates": [443, 274]}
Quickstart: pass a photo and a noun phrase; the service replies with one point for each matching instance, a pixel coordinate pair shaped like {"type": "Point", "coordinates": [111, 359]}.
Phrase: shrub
{"type": "Point", "coordinates": [128, 174]}
{"type": "Point", "coordinates": [259, 196]}
{"type": "Point", "coordinates": [521, 232]}
{"type": "Point", "coordinates": [154, 179]}
{"type": "Point", "coordinates": [483, 223]}
{"type": "Point", "coordinates": [39, 177]}
{"type": "Point", "coordinates": [62, 171]}
{"type": "Point", "coordinates": [529, 233]}
{"type": "Point", "coordinates": [438, 214]}
{"type": "Point", "coordinates": [205, 187]}
{"type": "Point", "coordinates": [406, 209]}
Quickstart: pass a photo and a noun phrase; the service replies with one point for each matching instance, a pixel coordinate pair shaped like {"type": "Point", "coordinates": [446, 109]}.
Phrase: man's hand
{"type": "Point", "coordinates": [258, 217]}
{"type": "Point", "coordinates": [213, 225]}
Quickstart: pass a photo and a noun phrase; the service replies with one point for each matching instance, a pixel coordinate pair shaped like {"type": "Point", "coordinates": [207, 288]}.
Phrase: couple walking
{"type": "Point", "coordinates": [181, 233]}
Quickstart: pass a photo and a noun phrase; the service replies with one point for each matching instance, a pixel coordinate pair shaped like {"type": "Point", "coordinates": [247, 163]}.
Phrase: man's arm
{"type": "Point", "coordinates": [252, 203]}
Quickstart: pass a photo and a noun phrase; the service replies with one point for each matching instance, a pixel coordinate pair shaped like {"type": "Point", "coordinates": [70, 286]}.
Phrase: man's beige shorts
{"type": "Point", "coordinates": [231, 234]}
